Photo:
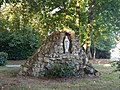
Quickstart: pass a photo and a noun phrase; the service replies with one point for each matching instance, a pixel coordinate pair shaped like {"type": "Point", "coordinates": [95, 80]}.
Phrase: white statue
{"type": "Point", "coordinates": [66, 44]}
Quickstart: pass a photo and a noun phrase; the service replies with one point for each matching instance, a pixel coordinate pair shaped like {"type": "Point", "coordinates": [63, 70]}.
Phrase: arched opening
{"type": "Point", "coordinates": [70, 43]}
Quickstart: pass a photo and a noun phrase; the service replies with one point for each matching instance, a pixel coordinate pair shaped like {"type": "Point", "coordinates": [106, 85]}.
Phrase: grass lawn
{"type": "Point", "coordinates": [107, 81]}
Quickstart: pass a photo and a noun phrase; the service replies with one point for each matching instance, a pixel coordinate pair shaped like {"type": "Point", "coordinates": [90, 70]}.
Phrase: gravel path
{"type": "Point", "coordinates": [13, 65]}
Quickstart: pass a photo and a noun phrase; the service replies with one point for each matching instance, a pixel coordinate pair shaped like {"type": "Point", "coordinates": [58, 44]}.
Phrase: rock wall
{"type": "Point", "coordinates": [51, 52]}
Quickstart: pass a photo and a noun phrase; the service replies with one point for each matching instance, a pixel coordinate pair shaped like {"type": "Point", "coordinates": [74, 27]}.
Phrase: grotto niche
{"type": "Point", "coordinates": [60, 47]}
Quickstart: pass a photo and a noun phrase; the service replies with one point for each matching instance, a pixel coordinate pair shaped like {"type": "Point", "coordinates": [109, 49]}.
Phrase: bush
{"type": "Point", "coordinates": [19, 44]}
{"type": "Point", "coordinates": [117, 65]}
{"type": "Point", "coordinates": [60, 70]}
{"type": "Point", "coordinates": [3, 58]}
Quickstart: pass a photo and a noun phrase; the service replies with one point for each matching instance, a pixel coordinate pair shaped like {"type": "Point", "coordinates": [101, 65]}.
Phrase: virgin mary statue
{"type": "Point", "coordinates": [66, 44]}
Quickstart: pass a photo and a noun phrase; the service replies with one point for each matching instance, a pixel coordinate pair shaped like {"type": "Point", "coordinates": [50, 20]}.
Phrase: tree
{"type": "Point", "coordinates": [105, 25]}
{"type": "Point", "coordinates": [87, 42]}
{"type": "Point", "coordinates": [92, 20]}
{"type": "Point", "coordinates": [18, 38]}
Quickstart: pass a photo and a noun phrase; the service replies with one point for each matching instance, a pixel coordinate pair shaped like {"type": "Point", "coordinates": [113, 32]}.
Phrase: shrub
{"type": "Point", "coordinates": [3, 58]}
{"type": "Point", "coordinates": [19, 44]}
{"type": "Point", "coordinates": [60, 70]}
{"type": "Point", "coordinates": [117, 65]}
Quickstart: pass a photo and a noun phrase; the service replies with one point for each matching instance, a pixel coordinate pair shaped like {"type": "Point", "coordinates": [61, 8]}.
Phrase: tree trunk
{"type": "Point", "coordinates": [78, 15]}
{"type": "Point", "coordinates": [88, 52]}
{"type": "Point", "coordinates": [89, 28]}
{"type": "Point", "coordinates": [91, 14]}
{"type": "Point", "coordinates": [94, 53]}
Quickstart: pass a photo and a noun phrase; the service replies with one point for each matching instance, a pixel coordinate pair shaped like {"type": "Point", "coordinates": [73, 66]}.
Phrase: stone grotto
{"type": "Point", "coordinates": [61, 46]}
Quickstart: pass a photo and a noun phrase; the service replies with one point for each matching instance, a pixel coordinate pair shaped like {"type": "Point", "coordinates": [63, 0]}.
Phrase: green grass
{"type": "Point", "coordinates": [8, 71]}
{"type": "Point", "coordinates": [107, 81]}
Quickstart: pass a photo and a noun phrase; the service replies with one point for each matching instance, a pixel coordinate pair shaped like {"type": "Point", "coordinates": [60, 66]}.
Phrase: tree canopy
{"type": "Point", "coordinates": [45, 16]}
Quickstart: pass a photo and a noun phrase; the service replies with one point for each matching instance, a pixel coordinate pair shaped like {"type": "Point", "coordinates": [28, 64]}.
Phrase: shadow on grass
{"type": "Point", "coordinates": [8, 71]}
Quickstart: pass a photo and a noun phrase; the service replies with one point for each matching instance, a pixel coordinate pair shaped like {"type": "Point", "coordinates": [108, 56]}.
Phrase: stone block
{"type": "Point", "coordinates": [52, 59]}
{"type": "Point", "coordinates": [25, 69]}
{"type": "Point", "coordinates": [64, 56]}
{"type": "Point", "coordinates": [46, 60]}
{"type": "Point", "coordinates": [40, 59]}
{"type": "Point", "coordinates": [77, 67]}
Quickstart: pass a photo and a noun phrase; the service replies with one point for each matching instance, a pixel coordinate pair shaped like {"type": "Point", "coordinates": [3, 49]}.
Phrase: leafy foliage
{"type": "Point", "coordinates": [20, 44]}
{"type": "Point", "coordinates": [106, 24]}
{"type": "Point", "coordinates": [18, 37]}
{"type": "Point", "coordinates": [16, 15]}
{"type": "Point", "coordinates": [60, 70]}
{"type": "Point", "coordinates": [3, 58]}
{"type": "Point", "coordinates": [117, 65]}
